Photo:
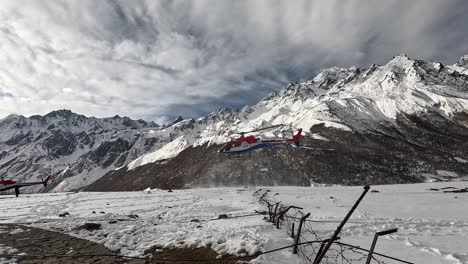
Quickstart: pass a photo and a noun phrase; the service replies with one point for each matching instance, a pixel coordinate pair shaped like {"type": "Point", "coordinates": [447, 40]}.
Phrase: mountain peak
{"type": "Point", "coordinates": [401, 58]}
{"type": "Point", "coordinates": [177, 120]}
{"type": "Point", "coordinates": [402, 55]}
{"type": "Point", "coordinates": [13, 116]}
{"type": "Point", "coordinates": [463, 61]}
{"type": "Point", "coordinates": [180, 118]}
{"type": "Point", "coordinates": [61, 113]}
{"type": "Point", "coordinates": [401, 61]}
{"type": "Point", "coordinates": [333, 73]}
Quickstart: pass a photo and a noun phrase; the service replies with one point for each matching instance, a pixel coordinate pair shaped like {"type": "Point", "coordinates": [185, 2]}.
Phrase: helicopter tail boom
{"type": "Point", "coordinates": [296, 138]}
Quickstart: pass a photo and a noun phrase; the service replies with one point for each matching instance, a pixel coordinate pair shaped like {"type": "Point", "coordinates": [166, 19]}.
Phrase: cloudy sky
{"type": "Point", "coordinates": [159, 59]}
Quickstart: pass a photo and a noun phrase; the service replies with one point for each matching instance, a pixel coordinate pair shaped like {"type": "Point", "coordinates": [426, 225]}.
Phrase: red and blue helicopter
{"type": "Point", "coordinates": [246, 144]}
{"type": "Point", "coordinates": [9, 184]}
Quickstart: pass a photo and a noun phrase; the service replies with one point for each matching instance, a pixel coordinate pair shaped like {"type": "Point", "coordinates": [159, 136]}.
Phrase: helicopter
{"type": "Point", "coordinates": [246, 144]}
{"type": "Point", "coordinates": [9, 184]}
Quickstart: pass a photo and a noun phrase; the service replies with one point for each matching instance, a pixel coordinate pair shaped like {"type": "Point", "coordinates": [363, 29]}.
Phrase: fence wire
{"type": "Point", "coordinates": [338, 253]}
{"type": "Point", "coordinates": [309, 244]}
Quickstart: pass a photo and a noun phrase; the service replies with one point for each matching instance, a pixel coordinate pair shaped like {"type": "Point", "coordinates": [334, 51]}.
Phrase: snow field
{"type": "Point", "coordinates": [432, 225]}
{"type": "Point", "coordinates": [164, 218]}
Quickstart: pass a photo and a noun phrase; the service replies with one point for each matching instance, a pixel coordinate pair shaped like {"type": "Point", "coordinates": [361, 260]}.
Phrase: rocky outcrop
{"type": "Point", "coordinates": [66, 145]}
{"type": "Point", "coordinates": [423, 148]}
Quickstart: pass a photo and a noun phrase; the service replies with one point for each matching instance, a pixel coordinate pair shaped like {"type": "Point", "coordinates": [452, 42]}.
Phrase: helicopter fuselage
{"type": "Point", "coordinates": [244, 145]}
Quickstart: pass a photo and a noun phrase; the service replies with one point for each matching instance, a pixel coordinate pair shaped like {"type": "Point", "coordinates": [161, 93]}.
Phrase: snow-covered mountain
{"type": "Point", "coordinates": [66, 144]}
{"type": "Point", "coordinates": [405, 121]}
{"type": "Point", "coordinates": [77, 150]}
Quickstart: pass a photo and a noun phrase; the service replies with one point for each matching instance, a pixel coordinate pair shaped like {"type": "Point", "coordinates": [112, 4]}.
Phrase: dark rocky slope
{"type": "Point", "coordinates": [419, 147]}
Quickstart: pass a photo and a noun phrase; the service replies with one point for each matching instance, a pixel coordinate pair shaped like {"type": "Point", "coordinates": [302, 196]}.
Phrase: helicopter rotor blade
{"type": "Point", "coordinates": [256, 130]}
{"type": "Point", "coordinates": [265, 128]}
{"type": "Point", "coordinates": [231, 132]}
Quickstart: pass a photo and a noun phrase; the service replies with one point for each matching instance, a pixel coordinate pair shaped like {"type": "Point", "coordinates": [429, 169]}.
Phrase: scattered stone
{"type": "Point", "coordinates": [465, 190]}
{"type": "Point", "coordinates": [94, 212]}
{"type": "Point", "coordinates": [374, 191]}
{"type": "Point", "coordinates": [102, 212]}
{"type": "Point", "coordinates": [433, 189]}
{"type": "Point", "coordinates": [242, 251]}
{"type": "Point", "coordinates": [445, 188]}
{"type": "Point", "coordinates": [276, 193]}
{"type": "Point", "coordinates": [199, 226]}
{"type": "Point", "coordinates": [133, 216]}
{"type": "Point", "coordinates": [113, 221]}
{"type": "Point", "coordinates": [158, 246]}
{"type": "Point", "coordinates": [90, 226]}
{"type": "Point", "coordinates": [221, 198]}
{"type": "Point", "coordinates": [195, 221]}
{"type": "Point", "coordinates": [222, 216]}
{"type": "Point", "coordinates": [221, 240]}
{"type": "Point", "coordinates": [64, 214]}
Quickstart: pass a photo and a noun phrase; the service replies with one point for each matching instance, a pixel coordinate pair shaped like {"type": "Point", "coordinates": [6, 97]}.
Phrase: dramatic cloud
{"type": "Point", "coordinates": [160, 59]}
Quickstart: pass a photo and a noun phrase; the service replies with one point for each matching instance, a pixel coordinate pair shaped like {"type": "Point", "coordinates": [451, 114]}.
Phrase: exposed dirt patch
{"type": "Point", "coordinates": [55, 247]}
{"type": "Point", "coordinates": [189, 254]}
{"type": "Point", "coordinates": [36, 245]}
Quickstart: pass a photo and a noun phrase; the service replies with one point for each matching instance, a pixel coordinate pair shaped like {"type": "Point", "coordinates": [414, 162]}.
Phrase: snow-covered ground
{"type": "Point", "coordinates": [432, 225]}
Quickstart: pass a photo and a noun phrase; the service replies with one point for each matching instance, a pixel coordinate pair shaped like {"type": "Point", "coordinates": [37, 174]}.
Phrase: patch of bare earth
{"type": "Point", "coordinates": [35, 245]}
{"type": "Point", "coordinates": [195, 255]}
{"type": "Point", "coordinates": [49, 247]}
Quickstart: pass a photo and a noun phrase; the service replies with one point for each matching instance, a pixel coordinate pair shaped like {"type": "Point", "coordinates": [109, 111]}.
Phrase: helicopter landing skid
{"type": "Point", "coordinates": [240, 156]}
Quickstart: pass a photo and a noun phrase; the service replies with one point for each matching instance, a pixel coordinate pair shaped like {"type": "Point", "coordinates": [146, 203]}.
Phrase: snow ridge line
{"type": "Point", "coordinates": [339, 251]}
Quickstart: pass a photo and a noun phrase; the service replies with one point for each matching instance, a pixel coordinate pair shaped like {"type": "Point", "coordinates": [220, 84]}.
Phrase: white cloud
{"type": "Point", "coordinates": [159, 59]}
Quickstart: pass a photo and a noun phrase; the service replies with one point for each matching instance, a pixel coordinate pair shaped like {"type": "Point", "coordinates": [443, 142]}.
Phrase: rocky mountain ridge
{"type": "Point", "coordinates": [63, 143]}
{"type": "Point", "coordinates": [405, 121]}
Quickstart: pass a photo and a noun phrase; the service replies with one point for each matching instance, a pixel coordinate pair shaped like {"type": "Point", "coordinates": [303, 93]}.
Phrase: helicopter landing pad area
{"type": "Point", "coordinates": [431, 218]}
